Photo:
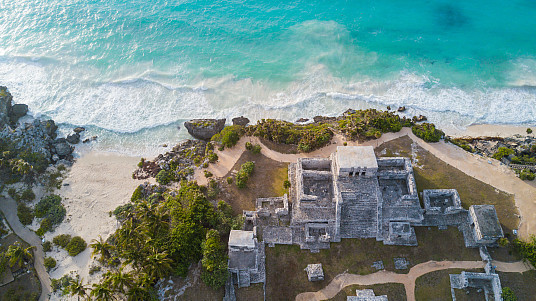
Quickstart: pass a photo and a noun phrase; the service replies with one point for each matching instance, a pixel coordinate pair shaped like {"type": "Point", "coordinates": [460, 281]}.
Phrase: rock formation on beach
{"type": "Point", "coordinates": [204, 128]}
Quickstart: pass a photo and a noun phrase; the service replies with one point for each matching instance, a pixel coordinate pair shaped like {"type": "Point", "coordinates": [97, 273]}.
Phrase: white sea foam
{"type": "Point", "coordinates": [137, 110]}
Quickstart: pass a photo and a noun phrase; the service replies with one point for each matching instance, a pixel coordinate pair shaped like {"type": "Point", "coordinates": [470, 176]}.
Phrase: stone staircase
{"type": "Point", "coordinates": [359, 216]}
{"type": "Point", "coordinates": [243, 279]}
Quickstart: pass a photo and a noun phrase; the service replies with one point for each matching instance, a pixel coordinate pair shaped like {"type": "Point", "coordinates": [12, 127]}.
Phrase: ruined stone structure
{"type": "Point", "coordinates": [315, 272]}
{"type": "Point", "coordinates": [246, 258]}
{"type": "Point", "coordinates": [366, 295]}
{"type": "Point", "coordinates": [485, 224]}
{"type": "Point", "coordinates": [488, 282]}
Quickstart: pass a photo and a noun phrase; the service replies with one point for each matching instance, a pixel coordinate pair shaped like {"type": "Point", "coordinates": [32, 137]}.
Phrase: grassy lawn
{"type": "Point", "coordinates": [523, 284]}
{"type": "Point", "coordinates": [394, 291]}
{"type": "Point", "coordinates": [435, 286]}
{"type": "Point", "coordinates": [285, 264]}
{"type": "Point", "coordinates": [266, 181]}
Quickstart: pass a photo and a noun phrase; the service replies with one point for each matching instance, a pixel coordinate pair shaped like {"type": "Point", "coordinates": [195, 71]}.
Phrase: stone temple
{"type": "Point", "coordinates": [353, 194]}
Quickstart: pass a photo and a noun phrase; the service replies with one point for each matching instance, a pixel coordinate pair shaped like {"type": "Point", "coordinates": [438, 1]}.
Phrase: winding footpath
{"type": "Point", "coordinates": [9, 208]}
{"type": "Point", "coordinates": [408, 280]}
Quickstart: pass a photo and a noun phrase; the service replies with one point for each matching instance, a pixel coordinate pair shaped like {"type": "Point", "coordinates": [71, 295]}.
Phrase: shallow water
{"type": "Point", "coordinates": [132, 71]}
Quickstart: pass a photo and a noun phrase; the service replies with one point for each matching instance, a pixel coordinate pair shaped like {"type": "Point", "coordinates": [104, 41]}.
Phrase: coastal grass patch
{"type": "Point", "coordinates": [266, 181]}
{"type": "Point", "coordinates": [285, 264]}
{"type": "Point", "coordinates": [435, 286]}
{"type": "Point", "coordinates": [394, 291]}
{"type": "Point", "coordinates": [433, 173]}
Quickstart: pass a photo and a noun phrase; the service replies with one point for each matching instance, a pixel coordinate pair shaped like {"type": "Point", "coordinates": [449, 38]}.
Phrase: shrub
{"type": "Point", "coordinates": [345, 143]}
{"type": "Point", "coordinates": [229, 180]}
{"type": "Point", "coordinates": [212, 189]}
{"type": "Point", "coordinates": [427, 132]}
{"type": "Point", "coordinates": [62, 240]}
{"type": "Point", "coordinates": [137, 194]}
{"type": "Point", "coordinates": [207, 173]}
{"type": "Point", "coordinates": [214, 261]}
{"type": "Point", "coordinates": [526, 249]}
{"type": "Point", "coordinates": [503, 152]}
{"type": "Point", "coordinates": [50, 263]}
{"type": "Point", "coordinates": [504, 242]}
{"type": "Point", "coordinates": [140, 164]}
{"type": "Point", "coordinates": [27, 195]}
{"type": "Point", "coordinates": [256, 149]}
{"type": "Point", "coordinates": [229, 136]}
{"type": "Point", "coordinates": [45, 204]}
{"type": "Point", "coordinates": [286, 184]}
{"type": "Point", "coordinates": [46, 225]}
{"type": "Point", "coordinates": [212, 157]}
{"type": "Point", "coordinates": [205, 165]}
{"type": "Point", "coordinates": [47, 246]}
{"type": "Point", "coordinates": [529, 131]}
{"type": "Point", "coordinates": [76, 246]}
{"type": "Point", "coordinates": [508, 294]}
{"type": "Point", "coordinates": [163, 177]}
{"type": "Point", "coordinates": [94, 269]}
{"type": "Point", "coordinates": [249, 146]}
{"type": "Point", "coordinates": [24, 214]}
{"type": "Point", "coordinates": [12, 192]}
{"type": "Point", "coordinates": [243, 174]}
{"type": "Point", "coordinates": [370, 123]}
{"type": "Point", "coordinates": [221, 148]}
{"type": "Point", "coordinates": [526, 174]}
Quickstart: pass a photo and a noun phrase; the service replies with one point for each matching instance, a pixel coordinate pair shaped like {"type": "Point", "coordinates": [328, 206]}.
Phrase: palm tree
{"type": "Point", "coordinates": [101, 247]}
{"type": "Point", "coordinates": [157, 264]}
{"type": "Point", "coordinates": [76, 287]}
{"type": "Point", "coordinates": [101, 291]}
{"type": "Point", "coordinates": [18, 255]}
{"type": "Point", "coordinates": [121, 281]}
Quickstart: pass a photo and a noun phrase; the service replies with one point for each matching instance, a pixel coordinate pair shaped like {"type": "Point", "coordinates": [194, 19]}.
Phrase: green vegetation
{"type": "Point", "coordinates": [243, 174]}
{"type": "Point", "coordinates": [50, 263]}
{"type": "Point", "coordinates": [25, 214]}
{"type": "Point", "coordinates": [18, 255]}
{"type": "Point", "coordinates": [214, 260]}
{"type": "Point", "coordinates": [62, 240]}
{"type": "Point", "coordinates": [526, 248]}
{"type": "Point", "coordinates": [286, 184]}
{"type": "Point", "coordinates": [76, 246]}
{"type": "Point", "coordinates": [256, 149]}
{"type": "Point", "coordinates": [229, 136]}
{"type": "Point", "coordinates": [307, 137]}
{"type": "Point", "coordinates": [207, 174]}
{"type": "Point", "coordinates": [508, 294]}
{"type": "Point", "coordinates": [463, 143]}
{"type": "Point", "coordinates": [163, 177]}
{"type": "Point", "coordinates": [19, 163]}
{"type": "Point", "coordinates": [526, 174]}
{"type": "Point", "coordinates": [503, 152]}
{"type": "Point", "coordinates": [529, 131]}
{"type": "Point", "coordinates": [51, 210]}
{"type": "Point", "coordinates": [370, 124]}
{"type": "Point", "coordinates": [427, 132]}
{"type": "Point", "coordinates": [229, 180]}
{"type": "Point", "coordinates": [47, 246]}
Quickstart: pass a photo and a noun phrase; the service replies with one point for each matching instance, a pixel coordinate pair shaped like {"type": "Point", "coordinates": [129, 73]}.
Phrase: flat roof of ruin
{"type": "Point", "coordinates": [240, 238]}
{"type": "Point", "coordinates": [487, 220]}
{"type": "Point", "coordinates": [356, 156]}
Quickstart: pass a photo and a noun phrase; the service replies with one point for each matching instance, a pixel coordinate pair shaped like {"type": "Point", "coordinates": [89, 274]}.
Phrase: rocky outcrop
{"type": "Point", "coordinates": [73, 138]}
{"type": "Point", "coordinates": [302, 120]}
{"type": "Point", "coordinates": [5, 106]}
{"type": "Point", "coordinates": [204, 128]}
{"type": "Point", "coordinates": [401, 109]}
{"type": "Point", "coordinates": [17, 111]}
{"type": "Point", "coordinates": [419, 118]}
{"type": "Point", "coordinates": [79, 129]}
{"type": "Point", "coordinates": [317, 119]}
{"type": "Point", "coordinates": [243, 121]}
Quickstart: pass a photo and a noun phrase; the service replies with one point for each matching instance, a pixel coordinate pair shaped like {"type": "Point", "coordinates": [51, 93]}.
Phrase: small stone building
{"type": "Point", "coordinates": [485, 224]}
{"type": "Point", "coordinates": [488, 282]}
{"type": "Point", "coordinates": [246, 258]}
{"type": "Point", "coordinates": [355, 161]}
{"type": "Point", "coordinates": [366, 295]}
{"type": "Point", "coordinates": [315, 272]}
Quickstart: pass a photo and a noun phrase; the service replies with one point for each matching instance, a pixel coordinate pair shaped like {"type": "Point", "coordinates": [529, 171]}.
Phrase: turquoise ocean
{"type": "Point", "coordinates": [132, 71]}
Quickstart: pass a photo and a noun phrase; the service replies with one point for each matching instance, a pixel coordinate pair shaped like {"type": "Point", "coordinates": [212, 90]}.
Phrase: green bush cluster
{"type": "Point", "coordinates": [229, 136]}
{"type": "Point", "coordinates": [526, 174]}
{"type": "Point", "coordinates": [214, 261]}
{"type": "Point", "coordinates": [508, 294]}
{"type": "Point", "coordinates": [76, 246]}
{"type": "Point", "coordinates": [503, 152]}
{"type": "Point", "coordinates": [464, 144]}
{"type": "Point", "coordinates": [370, 124]}
{"type": "Point", "coordinates": [164, 177]}
{"type": "Point", "coordinates": [50, 263]}
{"type": "Point", "coordinates": [47, 246]}
{"type": "Point", "coordinates": [61, 240]}
{"type": "Point", "coordinates": [307, 137]}
{"type": "Point", "coordinates": [526, 248]}
{"type": "Point", "coordinates": [19, 163]}
{"type": "Point", "coordinates": [244, 173]}
{"type": "Point", "coordinates": [25, 214]}
{"type": "Point", "coordinates": [254, 148]}
{"type": "Point", "coordinates": [51, 210]}
{"type": "Point", "coordinates": [427, 132]}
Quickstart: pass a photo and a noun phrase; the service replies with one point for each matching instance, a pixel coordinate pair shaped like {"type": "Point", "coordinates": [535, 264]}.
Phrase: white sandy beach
{"type": "Point", "coordinates": [97, 184]}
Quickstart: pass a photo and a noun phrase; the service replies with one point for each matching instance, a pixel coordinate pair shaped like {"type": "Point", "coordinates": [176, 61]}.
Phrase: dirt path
{"type": "Point", "coordinates": [9, 208]}
{"type": "Point", "coordinates": [408, 280]}
{"type": "Point", "coordinates": [487, 170]}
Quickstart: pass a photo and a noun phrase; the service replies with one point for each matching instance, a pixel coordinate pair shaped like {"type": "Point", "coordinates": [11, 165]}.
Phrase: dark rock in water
{"type": "Point", "coordinates": [401, 109]}
{"type": "Point", "coordinates": [164, 145]}
{"type": "Point", "coordinates": [419, 118]}
{"type": "Point", "coordinates": [388, 108]}
{"type": "Point", "coordinates": [323, 119]}
{"type": "Point", "coordinates": [73, 138]}
{"type": "Point", "coordinates": [204, 128]}
{"type": "Point", "coordinates": [62, 148]}
{"type": "Point", "coordinates": [79, 129]}
{"type": "Point", "coordinates": [86, 140]}
{"type": "Point", "coordinates": [19, 110]}
{"type": "Point", "coordinates": [5, 106]}
{"type": "Point", "coordinates": [243, 121]}
{"type": "Point", "coordinates": [94, 138]}
{"type": "Point", "coordinates": [301, 120]}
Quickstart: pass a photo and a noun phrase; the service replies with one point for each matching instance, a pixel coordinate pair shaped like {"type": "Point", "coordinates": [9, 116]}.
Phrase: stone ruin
{"type": "Point", "coordinates": [246, 258]}
{"type": "Point", "coordinates": [315, 272]}
{"type": "Point", "coordinates": [366, 295]}
{"type": "Point", "coordinates": [353, 194]}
